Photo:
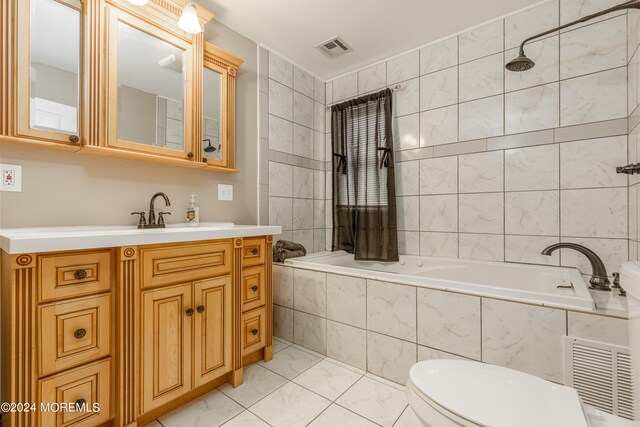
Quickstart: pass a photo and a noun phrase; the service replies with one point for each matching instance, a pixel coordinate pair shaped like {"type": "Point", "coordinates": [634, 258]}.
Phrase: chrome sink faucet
{"type": "Point", "coordinates": [142, 222]}
{"type": "Point", "coordinates": [599, 278]}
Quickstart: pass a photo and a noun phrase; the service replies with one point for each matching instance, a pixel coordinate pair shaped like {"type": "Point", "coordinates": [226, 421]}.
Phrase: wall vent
{"type": "Point", "coordinates": [601, 374]}
{"type": "Point", "coordinates": [333, 47]}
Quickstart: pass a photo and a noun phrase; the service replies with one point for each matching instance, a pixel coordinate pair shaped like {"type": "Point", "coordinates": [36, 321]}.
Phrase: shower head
{"type": "Point", "coordinates": [521, 63]}
{"type": "Point", "coordinates": [209, 148]}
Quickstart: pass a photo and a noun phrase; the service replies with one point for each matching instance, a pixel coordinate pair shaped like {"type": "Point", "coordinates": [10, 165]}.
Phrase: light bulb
{"type": "Point", "coordinates": [189, 21]}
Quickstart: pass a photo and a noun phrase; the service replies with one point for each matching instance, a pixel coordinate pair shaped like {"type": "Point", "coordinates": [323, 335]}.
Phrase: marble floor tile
{"type": "Point", "coordinates": [211, 409]}
{"type": "Point", "coordinates": [245, 419]}
{"type": "Point", "coordinates": [258, 382]}
{"type": "Point", "coordinates": [408, 419]}
{"type": "Point", "coordinates": [375, 401]}
{"type": "Point", "coordinates": [290, 362]}
{"type": "Point", "coordinates": [153, 423]}
{"type": "Point", "coordinates": [290, 406]}
{"type": "Point", "coordinates": [336, 415]}
{"type": "Point", "coordinates": [327, 379]}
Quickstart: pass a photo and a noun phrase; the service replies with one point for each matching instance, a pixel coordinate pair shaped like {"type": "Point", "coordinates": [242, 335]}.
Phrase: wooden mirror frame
{"type": "Point", "coordinates": [22, 102]}
{"type": "Point", "coordinates": [115, 17]}
{"type": "Point", "coordinates": [226, 65]}
{"type": "Point", "coordinates": [97, 133]}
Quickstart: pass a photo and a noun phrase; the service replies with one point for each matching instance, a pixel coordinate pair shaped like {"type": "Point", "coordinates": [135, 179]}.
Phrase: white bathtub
{"type": "Point", "coordinates": [516, 282]}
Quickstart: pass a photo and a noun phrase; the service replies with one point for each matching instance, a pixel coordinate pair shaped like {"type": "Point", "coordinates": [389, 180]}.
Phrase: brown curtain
{"type": "Point", "coordinates": [364, 197]}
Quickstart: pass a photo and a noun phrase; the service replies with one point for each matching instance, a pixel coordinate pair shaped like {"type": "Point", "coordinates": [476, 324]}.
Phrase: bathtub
{"type": "Point", "coordinates": [516, 282]}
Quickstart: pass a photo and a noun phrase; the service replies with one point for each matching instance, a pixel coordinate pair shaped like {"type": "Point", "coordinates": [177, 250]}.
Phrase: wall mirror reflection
{"type": "Point", "coordinates": [151, 89]}
{"type": "Point", "coordinates": [54, 68]}
{"type": "Point", "coordinates": [212, 119]}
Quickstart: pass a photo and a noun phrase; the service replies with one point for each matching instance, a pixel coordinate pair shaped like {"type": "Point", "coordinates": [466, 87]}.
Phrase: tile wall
{"type": "Point", "coordinates": [496, 165]}
{"type": "Point", "coordinates": [384, 328]}
{"type": "Point", "coordinates": [292, 144]}
{"type": "Point", "coordinates": [633, 85]}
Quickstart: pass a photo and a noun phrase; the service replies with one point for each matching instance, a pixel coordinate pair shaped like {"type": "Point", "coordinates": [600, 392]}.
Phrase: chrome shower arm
{"type": "Point", "coordinates": [633, 4]}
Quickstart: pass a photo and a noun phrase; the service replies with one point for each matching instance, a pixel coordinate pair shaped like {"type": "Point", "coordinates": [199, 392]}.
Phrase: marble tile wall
{"type": "Point", "coordinates": [292, 139]}
{"type": "Point", "coordinates": [495, 165]}
{"type": "Point", "coordinates": [633, 109]}
{"type": "Point", "coordinates": [384, 328]}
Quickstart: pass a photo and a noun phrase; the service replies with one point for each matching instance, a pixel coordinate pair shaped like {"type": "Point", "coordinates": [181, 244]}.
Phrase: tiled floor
{"type": "Point", "coordinates": [298, 388]}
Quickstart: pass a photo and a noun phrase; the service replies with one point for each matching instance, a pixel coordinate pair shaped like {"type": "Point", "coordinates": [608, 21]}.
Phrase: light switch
{"type": "Point", "coordinates": [225, 192]}
{"type": "Point", "coordinates": [11, 178]}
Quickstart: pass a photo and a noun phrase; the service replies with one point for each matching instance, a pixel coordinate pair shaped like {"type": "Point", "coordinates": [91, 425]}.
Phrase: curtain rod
{"type": "Point", "coordinates": [393, 88]}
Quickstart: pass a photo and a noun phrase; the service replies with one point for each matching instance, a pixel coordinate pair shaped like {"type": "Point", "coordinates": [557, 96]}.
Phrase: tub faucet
{"type": "Point", "coordinates": [599, 279]}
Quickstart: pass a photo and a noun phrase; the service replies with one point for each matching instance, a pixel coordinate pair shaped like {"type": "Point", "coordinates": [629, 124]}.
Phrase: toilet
{"type": "Point", "coordinates": [453, 393]}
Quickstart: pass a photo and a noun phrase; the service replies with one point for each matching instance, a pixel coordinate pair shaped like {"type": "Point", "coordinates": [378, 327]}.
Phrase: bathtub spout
{"type": "Point", "coordinates": [599, 279]}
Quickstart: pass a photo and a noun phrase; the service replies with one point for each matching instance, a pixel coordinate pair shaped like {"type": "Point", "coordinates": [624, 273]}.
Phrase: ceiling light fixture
{"type": "Point", "coordinates": [189, 21]}
{"type": "Point", "coordinates": [138, 2]}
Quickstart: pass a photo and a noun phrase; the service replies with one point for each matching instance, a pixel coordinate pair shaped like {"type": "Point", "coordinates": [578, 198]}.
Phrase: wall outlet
{"type": "Point", "coordinates": [225, 192]}
{"type": "Point", "coordinates": [11, 178]}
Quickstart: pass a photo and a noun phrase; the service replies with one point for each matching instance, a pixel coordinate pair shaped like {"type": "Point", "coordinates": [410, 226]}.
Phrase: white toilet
{"type": "Point", "coordinates": [453, 393]}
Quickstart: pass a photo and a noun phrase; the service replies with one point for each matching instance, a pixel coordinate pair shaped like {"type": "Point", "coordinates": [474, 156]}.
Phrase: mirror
{"type": "Point", "coordinates": [54, 86]}
{"type": "Point", "coordinates": [151, 89]}
{"type": "Point", "coordinates": [211, 125]}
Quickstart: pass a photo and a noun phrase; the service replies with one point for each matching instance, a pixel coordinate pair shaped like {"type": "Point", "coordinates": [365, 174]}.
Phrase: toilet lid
{"type": "Point", "coordinates": [490, 395]}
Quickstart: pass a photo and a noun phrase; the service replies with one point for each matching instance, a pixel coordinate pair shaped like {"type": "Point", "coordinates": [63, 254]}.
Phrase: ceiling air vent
{"type": "Point", "coordinates": [333, 47]}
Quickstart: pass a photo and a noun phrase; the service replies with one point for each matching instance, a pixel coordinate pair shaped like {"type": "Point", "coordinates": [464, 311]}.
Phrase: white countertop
{"type": "Point", "coordinates": [49, 239]}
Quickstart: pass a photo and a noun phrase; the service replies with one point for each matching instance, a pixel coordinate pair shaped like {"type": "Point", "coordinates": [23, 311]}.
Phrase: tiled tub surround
{"type": "Point", "coordinates": [293, 151]}
{"type": "Point", "coordinates": [633, 90]}
{"type": "Point", "coordinates": [385, 327]}
{"type": "Point", "coordinates": [496, 165]}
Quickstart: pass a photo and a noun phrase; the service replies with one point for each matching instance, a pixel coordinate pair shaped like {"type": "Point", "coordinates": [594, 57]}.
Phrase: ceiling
{"type": "Point", "coordinates": [376, 29]}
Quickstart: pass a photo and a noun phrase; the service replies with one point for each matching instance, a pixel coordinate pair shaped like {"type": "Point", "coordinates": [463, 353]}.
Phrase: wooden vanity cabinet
{"type": "Point", "coordinates": [136, 330]}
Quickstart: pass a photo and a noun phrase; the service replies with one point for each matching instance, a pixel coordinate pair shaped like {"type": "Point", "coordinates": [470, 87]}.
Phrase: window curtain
{"type": "Point", "coordinates": [364, 198]}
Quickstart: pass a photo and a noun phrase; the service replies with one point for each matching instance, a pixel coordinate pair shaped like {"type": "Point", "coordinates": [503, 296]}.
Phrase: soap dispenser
{"type": "Point", "coordinates": [193, 212]}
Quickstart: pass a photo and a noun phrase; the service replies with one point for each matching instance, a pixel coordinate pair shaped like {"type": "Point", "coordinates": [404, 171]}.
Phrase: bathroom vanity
{"type": "Point", "coordinates": [135, 321]}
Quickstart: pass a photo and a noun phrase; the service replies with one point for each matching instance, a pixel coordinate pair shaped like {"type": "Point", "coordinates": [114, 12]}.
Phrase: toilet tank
{"type": "Point", "coordinates": [630, 281]}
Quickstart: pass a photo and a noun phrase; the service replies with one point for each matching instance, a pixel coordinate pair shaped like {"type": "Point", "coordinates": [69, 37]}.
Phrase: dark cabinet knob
{"type": "Point", "coordinates": [80, 274]}
{"type": "Point", "coordinates": [254, 332]}
{"type": "Point", "coordinates": [200, 309]}
{"type": "Point", "coordinates": [254, 251]}
{"type": "Point", "coordinates": [80, 333]}
{"type": "Point", "coordinates": [190, 155]}
{"type": "Point", "coordinates": [190, 312]}
{"type": "Point", "coordinates": [74, 138]}
{"type": "Point", "coordinates": [254, 288]}
{"type": "Point", "coordinates": [80, 405]}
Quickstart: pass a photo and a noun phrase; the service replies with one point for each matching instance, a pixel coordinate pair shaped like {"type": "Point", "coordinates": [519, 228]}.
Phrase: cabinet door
{"type": "Point", "coordinates": [149, 83]}
{"type": "Point", "coordinates": [166, 344]}
{"type": "Point", "coordinates": [49, 57]}
{"type": "Point", "coordinates": [212, 347]}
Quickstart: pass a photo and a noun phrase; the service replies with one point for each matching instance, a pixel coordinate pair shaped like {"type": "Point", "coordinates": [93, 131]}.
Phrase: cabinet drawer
{"type": "Point", "coordinates": [179, 264]}
{"type": "Point", "coordinates": [74, 332]}
{"type": "Point", "coordinates": [72, 275]}
{"type": "Point", "coordinates": [253, 330]}
{"type": "Point", "coordinates": [253, 288]}
{"type": "Point", "coordinates": [253, 251]}
{"type": "Point", "coordinates": [86, 386]}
